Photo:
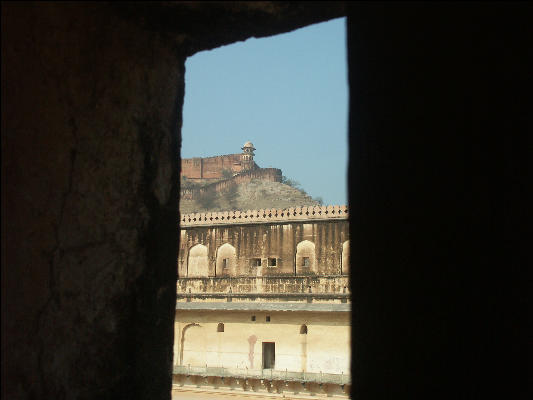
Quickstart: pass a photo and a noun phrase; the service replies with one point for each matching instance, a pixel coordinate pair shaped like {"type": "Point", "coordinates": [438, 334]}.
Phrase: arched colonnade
{"type": "Point", "coordinates": [226, 260]}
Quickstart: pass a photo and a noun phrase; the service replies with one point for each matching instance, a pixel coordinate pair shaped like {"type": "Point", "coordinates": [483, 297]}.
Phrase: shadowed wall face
{"type": "Point", "coordinates": [435, 93]}
{"type": "Point", "coordinates": [91, 104]}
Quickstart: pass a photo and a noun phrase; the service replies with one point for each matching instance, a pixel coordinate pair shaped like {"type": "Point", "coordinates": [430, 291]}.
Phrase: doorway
{"type": "Point", "coordinates": [269, 355]}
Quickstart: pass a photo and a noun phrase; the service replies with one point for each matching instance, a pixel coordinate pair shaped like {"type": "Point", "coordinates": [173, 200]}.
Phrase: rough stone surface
{"type": "Point", "coordinates": [434, 106]}
{"type": "Point", "coordinates": [89, 125]}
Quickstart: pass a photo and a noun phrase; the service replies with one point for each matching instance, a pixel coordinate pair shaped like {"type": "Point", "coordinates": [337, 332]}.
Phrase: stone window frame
{"type": "Point", "coordinates": [276, 262]}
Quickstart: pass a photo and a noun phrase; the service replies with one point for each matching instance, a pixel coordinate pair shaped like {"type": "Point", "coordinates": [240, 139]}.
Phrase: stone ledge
{"type": "Point", "coordinates": [264, 277]}
{"type": "Point", "coordinates": [309, 307]}
{"type": "Point", "coordinates": [251, 295]}
{"type": "Point", "coordinates": [297, 214]}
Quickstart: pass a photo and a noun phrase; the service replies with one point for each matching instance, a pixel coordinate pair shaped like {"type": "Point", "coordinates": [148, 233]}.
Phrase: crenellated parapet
{"type": "Point", "coordinates": [311, 213]}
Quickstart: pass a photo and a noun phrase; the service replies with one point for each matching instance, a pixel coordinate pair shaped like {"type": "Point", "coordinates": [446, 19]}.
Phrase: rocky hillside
{"type": "Point", "coordinates": [254, 195]}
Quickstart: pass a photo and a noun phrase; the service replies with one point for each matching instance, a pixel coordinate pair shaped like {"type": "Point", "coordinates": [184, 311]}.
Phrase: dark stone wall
{"type": "Point", "coordinates": [91, 111]}
{"type": "Point", "coordinates": [437, 100]}
{"type": "Point", "coordinates": [91, 106]}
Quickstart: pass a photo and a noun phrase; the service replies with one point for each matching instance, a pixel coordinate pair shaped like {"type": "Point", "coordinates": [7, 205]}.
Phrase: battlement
{"type": "Point", "coordinates": [211, 159]}
{"type": "Point", "coordinates": [216, 167]}
{"type": "Point", "coordinates": [265, 216]}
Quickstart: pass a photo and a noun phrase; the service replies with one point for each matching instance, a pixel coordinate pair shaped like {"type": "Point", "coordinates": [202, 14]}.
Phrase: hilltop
{"type": "Point", "coordinates": [257, 194]}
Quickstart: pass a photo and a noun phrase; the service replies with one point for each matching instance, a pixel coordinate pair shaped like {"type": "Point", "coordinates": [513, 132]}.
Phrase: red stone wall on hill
{"type": "Point", "coordinates": [210, 167]}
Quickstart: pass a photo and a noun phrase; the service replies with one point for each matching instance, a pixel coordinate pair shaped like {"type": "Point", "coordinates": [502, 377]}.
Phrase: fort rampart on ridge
{"type": "Point", "coordinates": [264, 174]}
{"type": "Point", "coordinates": [213, 172]}
{"type": "Point", "coordinates": [212, 167]}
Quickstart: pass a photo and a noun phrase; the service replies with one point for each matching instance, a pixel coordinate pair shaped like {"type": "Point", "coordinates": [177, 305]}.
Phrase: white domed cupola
{"type": "Point", "coordinates": [247, 156]}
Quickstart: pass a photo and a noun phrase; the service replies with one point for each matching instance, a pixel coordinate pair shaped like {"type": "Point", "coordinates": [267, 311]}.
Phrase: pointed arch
{"type": "Point", "coordinates": [197, 263]}
{"type": "Point", "coordinates": [305, 257]}
{"type": "Point", "coordinates": [182, 341]}
{"type": "Point", "coordinates": [226, 263]}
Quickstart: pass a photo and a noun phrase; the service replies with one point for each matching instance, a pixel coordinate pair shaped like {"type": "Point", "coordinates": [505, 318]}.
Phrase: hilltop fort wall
{"type": "Point", "coordinates": [265, 174]}
{"type": "Point", "coordinates": [212, 167]}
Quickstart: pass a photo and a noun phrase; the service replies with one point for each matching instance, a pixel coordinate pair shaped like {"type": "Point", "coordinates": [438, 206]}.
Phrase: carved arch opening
{"type": "Point", "coordinates": [305, 258]}
{"type": "Point", "coordinates": [198, 262]}
{"type": "Point", "coordinates": [226, 263]}
{"type": "Point", "coordinates": [182, 339]}
{"type": "Point", "coordinates": [345, 258]}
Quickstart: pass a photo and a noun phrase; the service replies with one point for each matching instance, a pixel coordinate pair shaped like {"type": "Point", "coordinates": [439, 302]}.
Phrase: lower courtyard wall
{"type": "Point", "coordinates": [303, 341]}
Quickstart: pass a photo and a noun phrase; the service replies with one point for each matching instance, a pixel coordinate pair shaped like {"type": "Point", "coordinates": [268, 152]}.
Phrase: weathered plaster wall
{"type": "Point", "coordinates": [287, 243]}
{"type": "Point", "coordinates": [323, 349]}
{"type": "Point", "coordinates": [91, 112]}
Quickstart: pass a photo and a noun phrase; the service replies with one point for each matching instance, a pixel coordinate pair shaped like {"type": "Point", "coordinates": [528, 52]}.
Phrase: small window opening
{"type": "Point", "coordinates": [305, 262]}
{"type": "Point", "coordinates": [267, 318]}
{"type": "Point", "coordinates": [303, 330]}
{"type": "Point", "coordinates": [225, 263]}
{"type": "Point", "coordinates": [256, 262]}
{"type": "Point", "coordinates": [253, 317]}
{"type": "Point", "coordinates": [220, 327]}
{"type": "Point", "coordinates": [272, 262]}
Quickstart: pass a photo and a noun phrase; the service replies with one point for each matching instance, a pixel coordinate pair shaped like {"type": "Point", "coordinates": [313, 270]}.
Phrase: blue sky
{"type": "Point", "coordinates": [287, 94]}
